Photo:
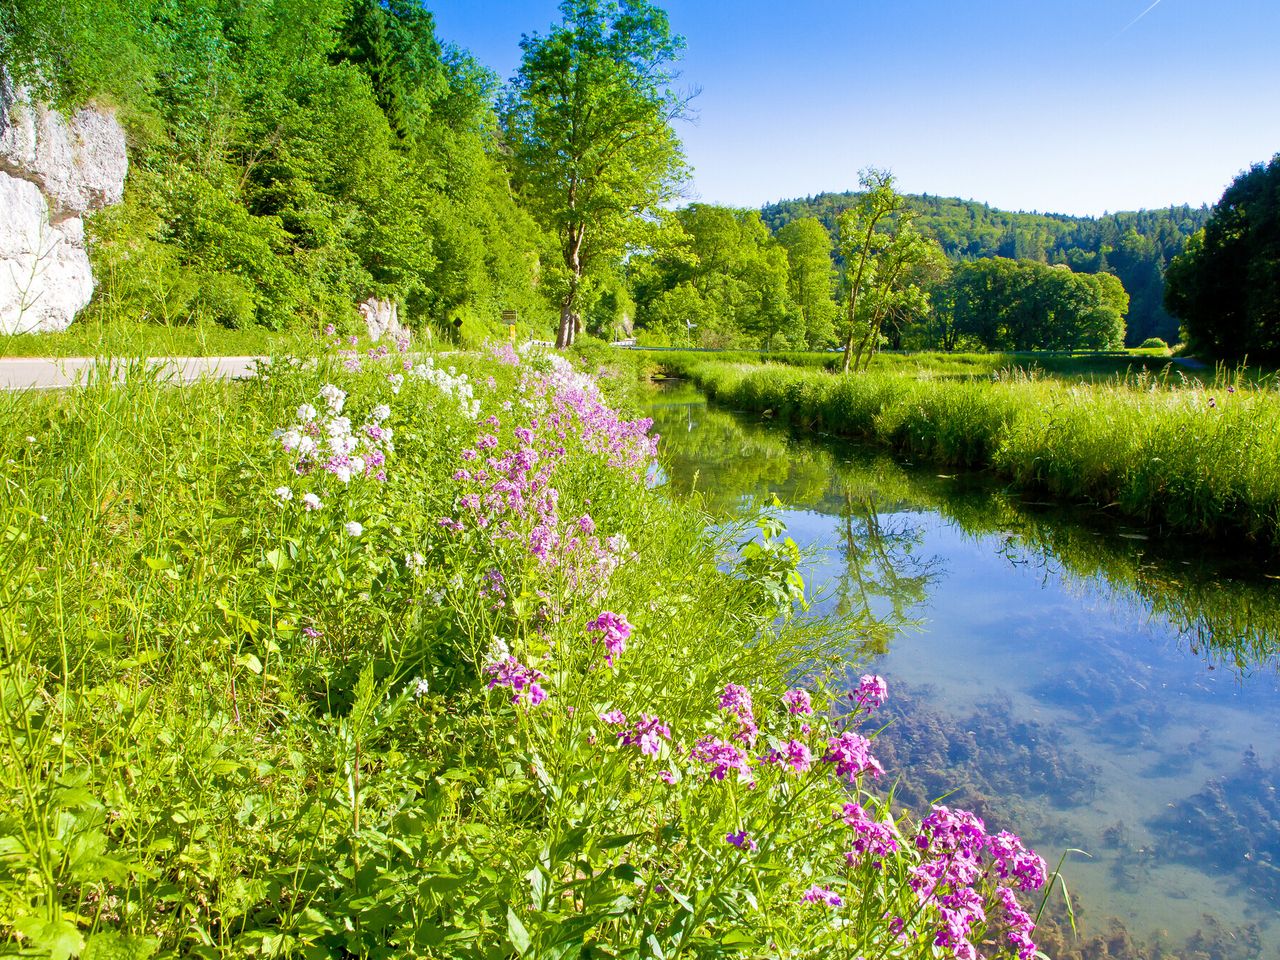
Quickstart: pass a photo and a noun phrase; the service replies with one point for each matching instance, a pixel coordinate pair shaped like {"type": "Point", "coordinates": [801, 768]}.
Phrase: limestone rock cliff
{"type": "Point", "coordinates": [53, 171]}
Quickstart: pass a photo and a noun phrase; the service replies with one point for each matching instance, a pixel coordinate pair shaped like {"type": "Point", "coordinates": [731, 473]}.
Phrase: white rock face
{"type": "Point", "coordinates": [381, 318]}
{"type": "Point", "coordinates": [52, 172]}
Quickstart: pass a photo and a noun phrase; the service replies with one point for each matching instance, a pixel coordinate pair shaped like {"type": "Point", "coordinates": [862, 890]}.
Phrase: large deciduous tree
{"type": "Point", "coordinates": [588, 122]}
{"type": "Point", "coordinates": [1226, 286]}
{"type": "Point", "coordinates": [811, 277]}
{"type": "Point", "coordinates": [862, 242]}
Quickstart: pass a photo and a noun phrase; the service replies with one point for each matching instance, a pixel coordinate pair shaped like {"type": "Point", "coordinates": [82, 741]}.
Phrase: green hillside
{"type": "Point", "coordinates": [1134, 246]}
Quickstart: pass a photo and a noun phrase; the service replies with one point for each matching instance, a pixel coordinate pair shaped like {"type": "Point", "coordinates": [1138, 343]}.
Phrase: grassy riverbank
{"type": "Point", "coordinates": [372, 658]}
{"type": "Point", "coordinates": [1195, 458]}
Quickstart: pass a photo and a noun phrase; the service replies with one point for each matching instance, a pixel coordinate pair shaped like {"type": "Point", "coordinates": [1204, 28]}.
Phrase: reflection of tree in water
{"type": "Point", "coordinates": [880, 555]}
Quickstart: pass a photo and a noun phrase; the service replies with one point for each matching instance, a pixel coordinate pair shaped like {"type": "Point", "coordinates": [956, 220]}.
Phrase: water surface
{"type": "Point", "coordinates": [1090, 685]}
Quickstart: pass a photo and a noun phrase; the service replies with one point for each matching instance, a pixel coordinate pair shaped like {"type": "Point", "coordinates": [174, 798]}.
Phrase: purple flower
{"type": "Point", "coordinates": [721, 757]}
{"type": "Point", "coordinates": [741, 841]}
{"type": "Point", "coordinates": [737, 701]}
{"type": "Point", "coordinates": [798, 701]}
{"type": "Point", "coordinates": [797, 756]}
{"type": "Point", "coordinates": [871, 836]}
{"type": "Point", "coordinates": [523, 681]}
{"type": "Point", "coordinates": [851, 754]}
{"type": "Point", "coordinates": [817, 894]}
{"type": "Point", "coordinates": [872, 692]}
{"type": "Point", "coordinates": [1015, 862]}
{"type": "Point", "coordinates": [615, 718]}
{"type": "Point", "coordinates": [647, 734]}
{"type": "Point", "coordinates": [614, 631]}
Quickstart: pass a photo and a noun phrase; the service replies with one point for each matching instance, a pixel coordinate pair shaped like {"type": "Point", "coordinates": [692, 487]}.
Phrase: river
{"type": "Point", "coordinates": [1093, 686]}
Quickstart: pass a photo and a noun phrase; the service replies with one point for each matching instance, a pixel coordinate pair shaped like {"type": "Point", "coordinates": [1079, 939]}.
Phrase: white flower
{"type": "Point", "coordinates": [306, 445]}
{"type": "Point", "coordinates": [420, 688]}
{"type": "Point", "coordinates": [357, 465]}
{"type": "Point", "coordinates": [396, 380]}
{"type": "Point", "coordinates": [354, 528]}
{"type": "Point", "coordinates": [414, 561]}
{"type": "Point", "coordinates": [306, 413]}
{"type": "Point", "coordinates": [334, 397]}
{"type": "Point", "coordinates": [342, 472]}
{"type": "Point", "coordinates": [311, 502]}
{"type": "Point", "coordinates": [338, 427]}
{"type": "Point", "coordinates": [284, 493]}
{"type": "Point", "coordinates": [380, 413]}
{"type": "Point", "coordinates": [498, 650]}
{"type": "Point", "coordinates": [291, 439]}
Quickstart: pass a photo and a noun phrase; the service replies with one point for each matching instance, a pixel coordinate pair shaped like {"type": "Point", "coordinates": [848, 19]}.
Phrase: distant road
{"type": "Point", "coordinates": [40, 373]}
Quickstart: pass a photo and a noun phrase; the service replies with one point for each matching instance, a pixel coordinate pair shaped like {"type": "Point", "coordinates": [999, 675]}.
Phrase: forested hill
{"type": "Point", "coordinates": [1135, 246]}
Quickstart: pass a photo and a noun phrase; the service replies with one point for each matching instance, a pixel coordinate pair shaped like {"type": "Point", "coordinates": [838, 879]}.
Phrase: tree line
{"type": "Point", "coordinates": [291, 158]}
{"type": "Point", "coordinates": [1135, 247]}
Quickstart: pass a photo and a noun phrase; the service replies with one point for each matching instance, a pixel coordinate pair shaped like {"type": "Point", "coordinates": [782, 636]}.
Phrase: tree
{"type": "Point", "coordinates": [588, 121]}
{"type": "Point", "coordinates": [1225, 287]}
{"type": "Point", "coordinates": [861, 243]}
{"type": "Point", "coordinates": [811, 278]}
{"type": "Point", "coordinates": [1004, 304]}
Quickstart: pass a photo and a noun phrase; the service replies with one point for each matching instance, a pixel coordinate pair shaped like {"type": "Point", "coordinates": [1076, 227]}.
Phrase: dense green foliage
{"type": "Point", "coordinates": [1197, 459]}
{"type": "Point", "coordinates": [256, 701]}
{"type": "Point", "coordinates": [1024, 305]}
{"type": "Point", "coordinates": [288, 160]}
{"type": "Point", "coordinates": [588, 119]}
{"type": "Point", "coordinates": [1226, 286]}
{"type": "Point", "coordinates": [717, 278]}
{"type": "Point", "coordinates": [1136, 247]}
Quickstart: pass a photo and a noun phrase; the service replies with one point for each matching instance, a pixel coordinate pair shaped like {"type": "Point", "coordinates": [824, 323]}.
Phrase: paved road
{"type": "Point", "coordinates": [37, 373]}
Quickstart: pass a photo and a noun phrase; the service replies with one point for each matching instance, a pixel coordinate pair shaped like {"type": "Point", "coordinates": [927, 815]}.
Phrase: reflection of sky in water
{"type": "Point", "coordinates": [1085, 665]}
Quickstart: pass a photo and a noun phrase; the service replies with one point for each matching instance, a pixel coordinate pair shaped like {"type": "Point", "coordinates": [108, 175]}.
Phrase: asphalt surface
{"type": "Point", "coordinates": [38, 373]}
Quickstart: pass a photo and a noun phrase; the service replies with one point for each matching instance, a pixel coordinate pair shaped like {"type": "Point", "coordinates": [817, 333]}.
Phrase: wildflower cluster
{"type": "Point", "coordinates": [958, 854]}
{"type": "Point", "coordinates": [324, 439]}
{"type": "Point", "coordinates": [450, 383]}
{"type": "Point", "coordinates": [523, 682]}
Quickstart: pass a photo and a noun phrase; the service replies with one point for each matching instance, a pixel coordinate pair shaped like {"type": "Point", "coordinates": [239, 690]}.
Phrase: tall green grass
{"type": "Point", "coordinates": [231, 725]}
{"type": "Point", "coordinates": [1195, 458]}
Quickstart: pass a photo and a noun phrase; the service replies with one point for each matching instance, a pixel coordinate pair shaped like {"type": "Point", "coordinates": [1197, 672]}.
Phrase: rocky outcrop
{"type": "Point", "coordinates": [53, 171]}
{"type": "Point", "coordinates": [381, 318]}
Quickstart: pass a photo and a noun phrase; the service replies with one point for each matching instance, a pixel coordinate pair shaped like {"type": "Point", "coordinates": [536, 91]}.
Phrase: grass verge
{"type": "Point", "coordinates": [1196, 458]}
{"type": "Point", "coordinates": [371, 657]}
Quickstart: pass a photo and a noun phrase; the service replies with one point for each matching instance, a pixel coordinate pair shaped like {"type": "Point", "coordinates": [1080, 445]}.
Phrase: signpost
{"type": "Point", "coordinates": [509, 318]}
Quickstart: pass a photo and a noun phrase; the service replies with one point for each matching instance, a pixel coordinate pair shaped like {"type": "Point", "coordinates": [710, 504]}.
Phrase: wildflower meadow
{"type": "Point", "coordinates": [387, 654]}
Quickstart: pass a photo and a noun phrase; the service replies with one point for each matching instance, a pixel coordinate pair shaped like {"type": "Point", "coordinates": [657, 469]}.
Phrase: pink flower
{"type": "Point", "coordinates": [798, 701]}
{"type": "Point", "coordinates": [817, 894]}
{"type": "Point", "coordinates": [852, 756]}
{"type": "Point", "coordinates": [872, 691]}
{"type": "Point", "coordinates": [614, 631]}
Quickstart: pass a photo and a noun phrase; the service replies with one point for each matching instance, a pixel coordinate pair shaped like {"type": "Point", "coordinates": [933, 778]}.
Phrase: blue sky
{"type": "Point", "coordinates": [1068, 106]}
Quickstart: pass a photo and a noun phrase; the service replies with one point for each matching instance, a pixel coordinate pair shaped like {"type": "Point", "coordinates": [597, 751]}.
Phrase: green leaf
{"type": "Point", "coordinates": [109, 945]}
{"type": "Point", "coordinates": [59, 938]}
{"type": "Point", "coordinates": [537, 887]}
{"type": "Point", "coordinates": [278, 560]}
{"type": "Point", "coordinates": [516, 933]}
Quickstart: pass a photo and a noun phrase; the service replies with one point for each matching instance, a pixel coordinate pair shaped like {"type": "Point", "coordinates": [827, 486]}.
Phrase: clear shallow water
{"type": "Point", "coordinates": [1078, 681]}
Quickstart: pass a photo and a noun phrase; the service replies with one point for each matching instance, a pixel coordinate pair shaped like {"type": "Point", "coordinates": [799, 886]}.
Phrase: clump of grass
{"type": "Point", "coordinates": [1162, 449]}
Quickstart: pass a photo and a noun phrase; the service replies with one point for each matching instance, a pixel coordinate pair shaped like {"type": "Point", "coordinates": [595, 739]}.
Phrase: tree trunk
{"type": "Point", "coordinates": [570, 321]}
